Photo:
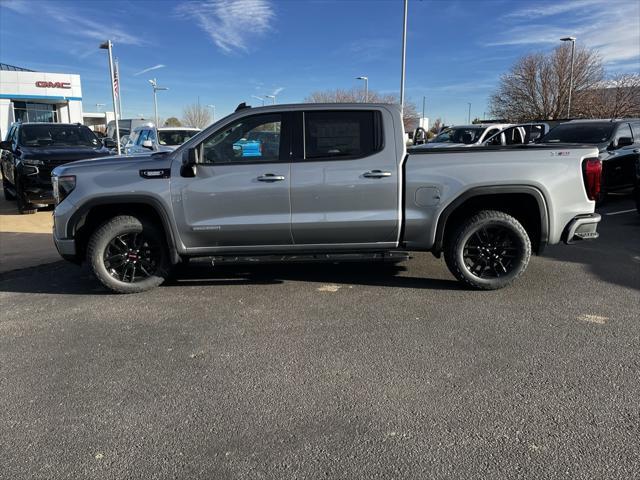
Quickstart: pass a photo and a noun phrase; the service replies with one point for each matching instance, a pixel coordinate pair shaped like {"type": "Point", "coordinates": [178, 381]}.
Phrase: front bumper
{"type": "Point", "coordinates": [582, 227]}
{"type": "Point", "coordinates": [66, 247]}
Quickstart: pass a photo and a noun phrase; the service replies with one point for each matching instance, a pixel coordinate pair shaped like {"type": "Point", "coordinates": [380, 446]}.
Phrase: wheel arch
{"type": "Point", "coordinates": [93, 213]}
{"type": "Point", "coordinates": [533, 212]}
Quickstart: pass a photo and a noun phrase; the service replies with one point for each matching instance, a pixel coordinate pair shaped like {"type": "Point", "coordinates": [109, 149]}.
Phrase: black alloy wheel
{"type": "Point", "coordinates": [132, 257]}
{"type": "Point", "coordinates": [491, 252]}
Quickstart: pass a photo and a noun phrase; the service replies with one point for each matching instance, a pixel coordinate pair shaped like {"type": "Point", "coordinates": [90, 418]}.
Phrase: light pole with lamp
{"type": "Point", "coordinates": [259, 98]}
{"type": "Point", "coordinates": [109, 46]}
{"type": "Point", "coordinates": [213, 112]}
{"type": "Point", "coordinates": [404, 54]}
{"type": "Point", "coordinates": [469, 115]}
{"type": "Point", "coordinates": [573, 51]}
{"type": "Point", "coordinates": [366, 87]}
{"type": "Point", "coordinates": [272, 97]}
{"type": "Point", "coordinates": [156, 88]}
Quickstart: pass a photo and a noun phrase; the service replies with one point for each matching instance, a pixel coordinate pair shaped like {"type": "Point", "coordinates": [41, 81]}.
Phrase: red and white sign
{"type": "Point", "coordinates": [44, 84]}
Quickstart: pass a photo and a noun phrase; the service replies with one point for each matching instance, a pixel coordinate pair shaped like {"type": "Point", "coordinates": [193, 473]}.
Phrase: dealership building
{"type": "Point", "coordinates": [29, 96]}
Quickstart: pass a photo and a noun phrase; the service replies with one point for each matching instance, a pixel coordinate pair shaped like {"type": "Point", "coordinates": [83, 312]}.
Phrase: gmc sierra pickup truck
{"type": "Point", "coordinates": [333, 181]}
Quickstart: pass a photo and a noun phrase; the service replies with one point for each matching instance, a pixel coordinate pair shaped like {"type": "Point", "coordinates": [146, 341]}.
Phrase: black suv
{"type": "Point", "coordinates": [32, 150]}
{"type": "Point", "coordinates": [618, 141]}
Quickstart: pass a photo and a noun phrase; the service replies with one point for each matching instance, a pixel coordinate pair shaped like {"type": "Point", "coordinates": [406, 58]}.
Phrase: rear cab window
{"type": "Point", "coordinates": [342, 134]}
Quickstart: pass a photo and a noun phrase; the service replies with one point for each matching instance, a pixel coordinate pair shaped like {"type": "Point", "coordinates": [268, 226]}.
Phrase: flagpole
{"type": "Point", "coordinates": [107, 46]}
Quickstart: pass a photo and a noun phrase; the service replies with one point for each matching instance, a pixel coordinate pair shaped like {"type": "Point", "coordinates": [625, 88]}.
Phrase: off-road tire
{"type": "Point", "coordinates": [455, 245]}
{"type": "Point", "coordinates": [122, 225]}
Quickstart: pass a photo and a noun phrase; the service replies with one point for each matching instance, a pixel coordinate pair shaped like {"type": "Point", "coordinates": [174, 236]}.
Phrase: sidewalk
{"type": "Point", "coordinates": [25, 240]}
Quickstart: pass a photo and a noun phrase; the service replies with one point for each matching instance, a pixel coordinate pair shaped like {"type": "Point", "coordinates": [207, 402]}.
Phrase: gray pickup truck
{"type": "Point", "coordinates": [322, 181]}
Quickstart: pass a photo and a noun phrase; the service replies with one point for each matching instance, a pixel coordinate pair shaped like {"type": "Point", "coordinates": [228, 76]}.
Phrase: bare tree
{"type": "Point", "coordinates": [410, 114]}
{"type": "Point", "coordinates": [537, 86]}
{"type": "Point", "coordinates": [614, 98]}
{"type": "Point", "coordinates": [196, 115]}
{"type": "Point", "coordinates": [436, 126]}
{"type": "Point", "coordinates": [172, 122]}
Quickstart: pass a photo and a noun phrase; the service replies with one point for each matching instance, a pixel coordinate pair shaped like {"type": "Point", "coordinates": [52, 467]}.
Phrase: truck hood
{"type": "Point", "coordinates": [159, 160]}
{"type": "Point", "coordinates": [58, 155]}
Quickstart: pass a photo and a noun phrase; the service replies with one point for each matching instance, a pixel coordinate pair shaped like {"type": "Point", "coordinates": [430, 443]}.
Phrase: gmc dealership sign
{"type": "Point", "coordinates": [43, 84]}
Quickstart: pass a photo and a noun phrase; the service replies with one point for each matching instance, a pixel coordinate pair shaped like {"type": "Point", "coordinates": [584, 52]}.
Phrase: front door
{"type": "Point", "coordinates": [239, 196]}
{"type": "Point", "coordinates": [344, 179]}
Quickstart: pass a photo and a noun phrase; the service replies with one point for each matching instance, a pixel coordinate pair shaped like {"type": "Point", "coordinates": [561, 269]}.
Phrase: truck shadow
{"type": "Point", "coordinates": [353, 273]}
{"type": "Point", "coordinates": [63, 278]}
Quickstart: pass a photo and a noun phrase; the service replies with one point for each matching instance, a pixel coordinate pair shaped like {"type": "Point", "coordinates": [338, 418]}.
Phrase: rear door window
{"type": "Point", "coordinates": [341, 134]}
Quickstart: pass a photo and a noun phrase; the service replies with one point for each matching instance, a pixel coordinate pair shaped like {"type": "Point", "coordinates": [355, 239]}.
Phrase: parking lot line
{"type": "Point", "coordinates": [621, 212]}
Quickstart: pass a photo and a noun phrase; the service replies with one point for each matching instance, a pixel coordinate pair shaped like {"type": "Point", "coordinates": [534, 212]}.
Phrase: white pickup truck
{"type": "Point", "coordinates": [329, 181]}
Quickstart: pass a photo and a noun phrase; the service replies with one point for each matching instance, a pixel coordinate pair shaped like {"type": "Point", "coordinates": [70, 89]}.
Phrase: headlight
{"type": "Point", "coordinates": [63, 186]}
{"type": "Point", "coordinates": [32, 162]}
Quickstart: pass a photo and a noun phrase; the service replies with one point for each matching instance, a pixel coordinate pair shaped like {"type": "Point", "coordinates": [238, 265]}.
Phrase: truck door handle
{"type": "Point", "coordinates": [270, 177]}
{"type": "Point", "coordinates": [376, 174]}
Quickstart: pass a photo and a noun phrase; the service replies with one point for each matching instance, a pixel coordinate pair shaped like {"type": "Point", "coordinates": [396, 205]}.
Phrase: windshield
{"type": "Point", "coordinates": [57, 136]}
{"type": "Point", "coordinates": [175, 137]}
{"type": "Point", "coordinates": [591, 133]}
{"type": "Point", "coordinates": [466, 135]}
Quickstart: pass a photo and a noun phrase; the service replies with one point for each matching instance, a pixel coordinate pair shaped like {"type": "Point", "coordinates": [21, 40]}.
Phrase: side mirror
{"type": "Point", "coordinates": [624, 142]}
{"type": "Point", "coordinates": [148, 144]}
{"type": "Point", "coordinates": [109, 142]}
{"type": "Point", "coordinates": [189, 162]}
{"type": "Point", "coordinates": [6, 145]}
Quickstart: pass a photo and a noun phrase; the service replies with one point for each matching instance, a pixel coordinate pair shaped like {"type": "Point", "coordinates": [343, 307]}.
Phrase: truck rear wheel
{"type": "Point", "coordinates": [128, 255]}
{"type": "Point", "coordinates": [488, 251]}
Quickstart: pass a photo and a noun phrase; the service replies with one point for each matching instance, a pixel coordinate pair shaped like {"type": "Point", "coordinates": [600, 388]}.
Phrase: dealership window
{"type": "Point", "coordinates": [342, 134]}
{"type": "Point", "coordinates": [35, 112]}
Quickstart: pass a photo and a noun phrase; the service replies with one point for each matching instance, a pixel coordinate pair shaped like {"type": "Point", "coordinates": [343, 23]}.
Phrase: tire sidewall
{"type": "Point", "coordinates": [524, 251]}
{"type": "Point", "coordinates": [120, 226]}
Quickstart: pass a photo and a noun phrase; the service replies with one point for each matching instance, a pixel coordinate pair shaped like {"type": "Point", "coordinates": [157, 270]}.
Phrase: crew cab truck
{"type": "Point", "coordinates": [339, 185]}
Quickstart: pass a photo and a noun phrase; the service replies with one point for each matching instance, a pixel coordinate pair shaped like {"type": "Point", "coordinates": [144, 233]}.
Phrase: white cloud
{"type": "Point", "coordinates": [231, 23]}
{"type": "Point", "coordinates": [155, 67]}
{"type": "Point", "coordinates": [72, 23]}
{"type": "Point", "coordinates": [277, 91]}
{"type": "Point", "coordinates": [608, 26]}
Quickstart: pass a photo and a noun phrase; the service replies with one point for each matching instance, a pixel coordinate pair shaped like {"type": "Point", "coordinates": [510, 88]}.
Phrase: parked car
{"type": "Point", "coordinates": [636, 189]}
{"type": "Point", "coordinates": [32, 150]}
{"type": "Point", "coordinates": [147, 139]}
{"type": "Point", "coordinates": [618, 143]}
{"type": "Point", "coordinates": [126, 126]}
{"type": "Point", "coordinates": [340, 185]}
{"type": "Point", "coordinates": [257, 144]}
{"type": "Point", "coordinates": [464, 135]}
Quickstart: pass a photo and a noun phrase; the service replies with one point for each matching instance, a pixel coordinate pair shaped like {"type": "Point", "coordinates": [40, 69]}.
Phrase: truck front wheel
{"type": "Point", "coordinates": [128, 255]}
{"type": "Point", "coordinates": [488, 251]}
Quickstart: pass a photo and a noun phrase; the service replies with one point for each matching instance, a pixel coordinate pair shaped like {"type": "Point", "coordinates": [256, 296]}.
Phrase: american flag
{"type": "Point", "coordinates": [116, 82]}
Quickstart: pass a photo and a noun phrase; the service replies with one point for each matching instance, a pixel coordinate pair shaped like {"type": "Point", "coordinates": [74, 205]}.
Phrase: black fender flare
{"type": "Point", "coordinates": [495, 190]}
{"type": "Point", "coordinates": [83, 209]}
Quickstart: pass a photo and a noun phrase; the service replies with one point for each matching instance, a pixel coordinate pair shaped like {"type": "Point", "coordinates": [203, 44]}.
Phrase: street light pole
{"type": "Point", "coordinates": [154, 85]}
{"type": "Point", "coordinates": [404, 54]}
{"type": "Point", "coordinates": [424, 102]}
{"type": "Point", "coordinates": [108, 46]}
{"type": "Point", "coordinates": [366, 87]}
{"type": "Point", "coordinates": [272, 97]}
{"type": "Point", "coordinates": [259, 98]}
{"type": "Point", "coordinates": [213, 112]}
{"type": "Point", "coordinates": [469, 115]}
{"type": "Point", "coordinates": [573, 51]}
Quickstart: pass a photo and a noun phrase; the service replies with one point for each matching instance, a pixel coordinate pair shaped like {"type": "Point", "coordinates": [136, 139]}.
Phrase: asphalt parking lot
{"type": "Point", "coordinates": [328, 371]}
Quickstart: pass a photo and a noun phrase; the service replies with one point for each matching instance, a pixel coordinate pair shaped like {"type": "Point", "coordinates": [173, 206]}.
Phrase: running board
{"type": "Point", "coordinates": [391, 257]}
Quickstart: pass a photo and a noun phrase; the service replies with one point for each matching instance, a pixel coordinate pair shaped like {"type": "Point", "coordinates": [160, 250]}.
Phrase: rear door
{"type": "Point", "coordinates": [620, 168]}
{"type": "Point", "coordinates": [344, 178]}
{"type": "Point", "coordinates": [237, 199]}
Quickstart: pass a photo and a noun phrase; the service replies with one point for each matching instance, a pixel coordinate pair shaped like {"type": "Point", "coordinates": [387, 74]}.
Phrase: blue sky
{"type": "Point", "coordinates": [224, 52]}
